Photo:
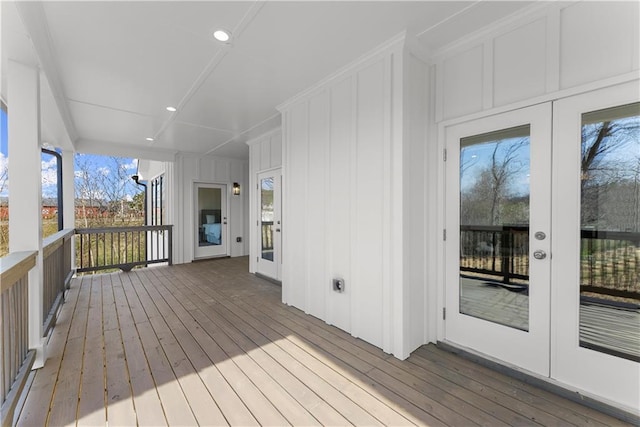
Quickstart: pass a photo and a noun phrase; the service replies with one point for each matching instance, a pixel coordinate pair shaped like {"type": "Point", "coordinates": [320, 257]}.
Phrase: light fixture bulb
{"type": "Point", "coordinates": [149, 138]}
{"type": "Point", "coordinates": [221, 35]}
{"type": "Point", "coordinates": [172, 109]}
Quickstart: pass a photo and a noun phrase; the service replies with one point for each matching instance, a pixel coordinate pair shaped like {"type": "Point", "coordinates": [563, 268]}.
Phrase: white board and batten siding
{"type": "Point", "coordinates": [354, 198]}
{"type": "Point", "coordinates": [547, 51]}
{"type": "Point", "coordinates": [265, 154]}
{"type": "Point", "coordinates": [189, 169]}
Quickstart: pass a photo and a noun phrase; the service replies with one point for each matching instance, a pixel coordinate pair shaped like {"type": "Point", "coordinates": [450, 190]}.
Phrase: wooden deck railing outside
{"type": "Point", "coordinates": [57, 274]}
{"type": "Point", "coordinates": [123, 247]}
{"type": "Point", "coordinates": [15, 357]}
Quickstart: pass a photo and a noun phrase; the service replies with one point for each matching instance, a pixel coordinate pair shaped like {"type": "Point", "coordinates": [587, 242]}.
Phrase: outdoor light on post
{"type": "Point", "coordinates": [236, 189]}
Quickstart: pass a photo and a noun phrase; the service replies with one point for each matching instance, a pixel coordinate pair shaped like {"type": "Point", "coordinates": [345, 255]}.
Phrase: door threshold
{"type": "Point", "coordinates": [268, 279]}
{"type": "Point", "coordinates": [544, 383]}
{"type": "Point", "coordinates": [210, 258]}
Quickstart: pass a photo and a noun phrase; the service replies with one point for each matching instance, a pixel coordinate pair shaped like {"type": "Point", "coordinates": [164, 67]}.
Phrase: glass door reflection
{"type": "Point", "coordinates": [610, 231]}
{"type": "Point", "coordinates": [266, 218]}
{"type": "Point", "coordinates": [494, 226]}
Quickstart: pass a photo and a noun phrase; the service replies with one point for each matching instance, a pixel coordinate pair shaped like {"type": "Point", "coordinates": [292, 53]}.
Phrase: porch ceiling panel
{"type": "Point", "coordinates": [96, 122]}
{"type": "Point", "coordinates": [189, 138]}
{"type": "Point", "coordinates": [471, 18]}
{"type": "Point", "coordinates": [119, 64]}
{"type": "Point", "coordinates": [129, 56]}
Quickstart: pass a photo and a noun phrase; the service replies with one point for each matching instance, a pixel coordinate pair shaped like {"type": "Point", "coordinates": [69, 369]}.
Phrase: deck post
{"type": "Point", "coordinates": [68, 196]}
{"type": "Point", "coordinates": [25, 204]}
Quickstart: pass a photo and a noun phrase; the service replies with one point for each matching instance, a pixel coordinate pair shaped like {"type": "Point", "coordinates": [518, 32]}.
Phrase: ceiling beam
{"type": "Point", "coordinates": [36, 25]}
{"type": "Point", "coordinates": [212, 65]}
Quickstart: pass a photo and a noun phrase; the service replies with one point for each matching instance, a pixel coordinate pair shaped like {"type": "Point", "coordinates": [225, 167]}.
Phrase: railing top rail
{"type": "Point", "coordinates": [122, 229]}
{"type": "Point", "coordinates": [60, 235]}
{"type": "Point", "coordinates": [610, 235]}
{"type": "Point", "coordinates": [14, 266]}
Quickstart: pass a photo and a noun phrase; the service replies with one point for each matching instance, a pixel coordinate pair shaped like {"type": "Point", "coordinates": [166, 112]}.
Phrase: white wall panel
{"type": "Point", "coordinates": [343, 168]}
{"type": "Point", "coordinates": [208, 169]}
{"type": "Point", "coordinates": [340, 217]}
{"type": "Point", "coordinates": [265, 152]}
{"type": "Point", "coordinates": [369, 164]}
{"type": "Point", "coordinates": [544, 51]}
{"type": "Point", "coordinates": [519, 63]}
{"type": "Point", "coordinates": [275, 143]}
{"type": "Point", "coordinates": [318, 279]}
{"type": "Point", "coordinates": [294, 221]}
{"type": "Point", "coordinates": [597, 40]}
{"type": "Point", "coordinates": [414, 209]}
{"type": "Point", "coordinates": [462, 83]}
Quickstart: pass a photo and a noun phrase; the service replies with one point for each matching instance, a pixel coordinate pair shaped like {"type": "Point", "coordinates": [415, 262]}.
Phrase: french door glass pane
{"type": "Point", "coordinates": [610, 231]}
{"type": "Point", "coordinates": [266, 218]}
{"type": "Point", "coordinates": [494, 226]}
{"type": "Point", "coordinates": [209, 216]}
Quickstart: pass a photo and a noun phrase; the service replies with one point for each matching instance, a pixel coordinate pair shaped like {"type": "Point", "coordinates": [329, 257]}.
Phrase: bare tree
{"type": "Point", "coordinates": [484, 202]}
{"type": "Point", "coordinates": [603, 171]}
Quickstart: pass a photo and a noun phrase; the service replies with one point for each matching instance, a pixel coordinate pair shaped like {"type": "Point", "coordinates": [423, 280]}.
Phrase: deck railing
{"type": "Point", "coordinates": [15, 357]}
{"type": "Point", "coordinates": [57, 274]}
{"type": "Point", "coordinates": [123, 247]}
{"type": "Point", "coordinates": [609, 261]}
{"type": "Point", "coordinates": [267, 235]}
{"type": "Point", "coordinates": [497, 251]}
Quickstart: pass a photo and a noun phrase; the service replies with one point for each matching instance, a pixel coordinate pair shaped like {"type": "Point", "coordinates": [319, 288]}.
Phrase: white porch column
{"type": "Point", "coordinates": [25, 193]}
{"type": "Point", "coordinates": [68, 198]}
{"type": "Point", "coordinates": [68, 189]}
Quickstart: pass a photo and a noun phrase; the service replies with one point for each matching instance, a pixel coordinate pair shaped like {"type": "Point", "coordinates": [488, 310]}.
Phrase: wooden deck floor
{"type": "Point", "coordinates": [207, 343]}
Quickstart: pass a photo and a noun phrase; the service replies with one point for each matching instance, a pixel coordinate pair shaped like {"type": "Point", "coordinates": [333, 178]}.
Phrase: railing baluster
{"type": "Point", "coordinates": [131, 247]}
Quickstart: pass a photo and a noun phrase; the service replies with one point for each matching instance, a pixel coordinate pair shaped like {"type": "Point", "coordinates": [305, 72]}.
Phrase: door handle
{"type": "Point", "coordinates": [277, 230]}
{"type": "Point", "coordinates": [539, 254]}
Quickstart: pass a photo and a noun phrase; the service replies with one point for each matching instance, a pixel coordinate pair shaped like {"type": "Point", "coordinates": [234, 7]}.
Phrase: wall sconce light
{"type": "Point", "coordinates": [236, 189]}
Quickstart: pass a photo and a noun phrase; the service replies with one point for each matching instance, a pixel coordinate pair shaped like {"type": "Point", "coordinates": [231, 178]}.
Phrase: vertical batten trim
{"type": "Point", "coordinates": [355, 307]}
{"type": "Point", "coordinates": [328, 208]}
{"type": "Point", "coordinates": [439, 90]}
{"type": "Point", "coordinates": [308, 255]}
{"type": "Point", "coordinates": [387, 300]}
{"type": "Point", "coordinates": [552, 68]}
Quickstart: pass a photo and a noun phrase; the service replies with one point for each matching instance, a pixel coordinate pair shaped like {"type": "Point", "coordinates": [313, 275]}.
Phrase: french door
{"type": "Point", "coordinates": [210, 221]}
{"type": "Point", "coordinates": [543, 246]}
{"type": "Point", "coordinates": [498, 193]}
{"type": "Point", "coordinates": [596, 245]}
{"type": "Point", "coordinates": [269, 226]}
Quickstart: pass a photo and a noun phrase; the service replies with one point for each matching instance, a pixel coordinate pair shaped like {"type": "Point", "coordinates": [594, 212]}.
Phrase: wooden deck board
{"type": "Point", "coordinates": [207, 343]}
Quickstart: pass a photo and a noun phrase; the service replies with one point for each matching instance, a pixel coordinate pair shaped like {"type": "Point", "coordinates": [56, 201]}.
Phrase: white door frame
{"type": "Point", "coordinates": [212, 251]}
{"type": "Point", "coordinates": [272, 269]}
{"type": "Point", "coordinates": [614, 378]}
{"type": "Point", "coordinates": [583, 370]}
{"type": "Point", "coordinates": [527, 349]}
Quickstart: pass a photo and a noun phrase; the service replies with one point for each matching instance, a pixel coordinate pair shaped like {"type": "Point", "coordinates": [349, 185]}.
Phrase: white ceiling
{"type": "Point", "coordinates": [112, 67]}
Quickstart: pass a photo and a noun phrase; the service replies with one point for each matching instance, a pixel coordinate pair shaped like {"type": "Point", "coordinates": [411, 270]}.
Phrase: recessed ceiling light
{"type": "Point", "coordinates": [149, 138]}
{"type": "Point", "coordinates": [222, 35]}
{"type": "Point", "coordinates": [172, 109]}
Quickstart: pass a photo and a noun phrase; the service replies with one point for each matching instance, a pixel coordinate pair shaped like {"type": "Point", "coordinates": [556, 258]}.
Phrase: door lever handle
{"type": "Point", "coordinates": [539, 254]}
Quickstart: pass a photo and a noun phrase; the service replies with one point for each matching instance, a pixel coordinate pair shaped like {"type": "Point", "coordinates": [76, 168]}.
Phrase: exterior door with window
{"type": "Point", "coordinates": [596, 244]}
{"type": "Point", "coordinates": [269, 224]}
{"type": "Point", "coordinates": [210, 221]}
{"type": "Point", "coordinates": [543, 251]}
{"type": "Point", "coordinates": [497, 274]}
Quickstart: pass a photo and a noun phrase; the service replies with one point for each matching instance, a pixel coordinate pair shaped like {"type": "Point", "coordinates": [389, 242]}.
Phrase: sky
{"type": "Point", "coordinates": [100, 165]}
